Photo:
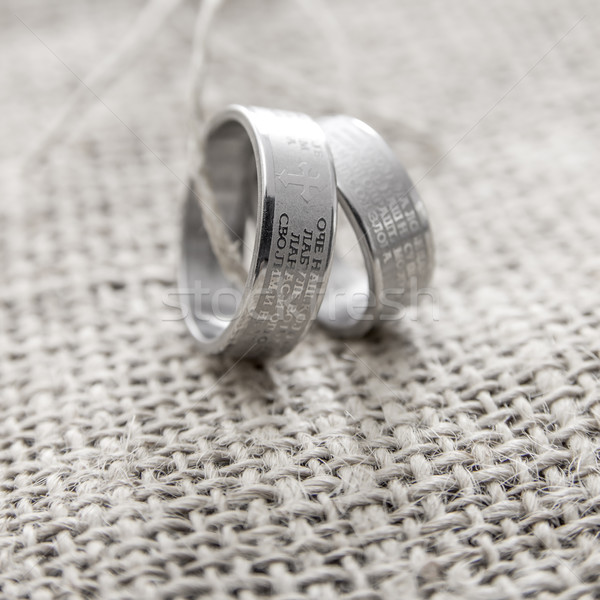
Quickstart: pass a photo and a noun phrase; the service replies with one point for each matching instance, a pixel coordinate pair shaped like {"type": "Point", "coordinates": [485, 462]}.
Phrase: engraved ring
{"type": "Point", "coordinates": [287, 156]}
{"type": "Point", "coordinates": [392, 227]}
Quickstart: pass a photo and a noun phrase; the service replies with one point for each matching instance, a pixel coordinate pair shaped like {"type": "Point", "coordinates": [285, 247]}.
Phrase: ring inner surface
{"type": "Point", "coordinates": [212, 298]}
{"type": "Point", "coordinates": [348, 297]}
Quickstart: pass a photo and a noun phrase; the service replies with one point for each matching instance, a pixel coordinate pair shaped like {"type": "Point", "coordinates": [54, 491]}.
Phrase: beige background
{"type": "Point", "coordinates": [450, 456]}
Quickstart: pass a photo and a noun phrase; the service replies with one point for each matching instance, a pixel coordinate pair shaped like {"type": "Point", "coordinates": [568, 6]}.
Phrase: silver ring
{"type": "Point", "coordinates": [392, 227]}
{"type": "Point", "coordinates": [287, 154]}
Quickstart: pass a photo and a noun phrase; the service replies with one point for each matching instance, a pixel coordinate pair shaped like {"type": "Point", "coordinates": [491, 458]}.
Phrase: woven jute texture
{"type": "Point", "coordinates": [453, 454]}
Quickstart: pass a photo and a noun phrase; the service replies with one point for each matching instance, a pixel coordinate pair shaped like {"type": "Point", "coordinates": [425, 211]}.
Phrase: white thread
{"type": "Point", "coordinates": [226, 249]}
{"type": "Point", "coordinates": [200, 50]}
{"type": "Point", "coordinates": [107, 72]}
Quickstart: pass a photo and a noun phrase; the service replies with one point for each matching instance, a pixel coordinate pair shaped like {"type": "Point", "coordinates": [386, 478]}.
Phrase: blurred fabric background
{"type": "Point", "coordinates": [453, 455]}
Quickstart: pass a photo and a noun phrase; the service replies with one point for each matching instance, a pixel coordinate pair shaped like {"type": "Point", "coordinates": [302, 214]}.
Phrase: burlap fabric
{"type": "Point", "coordinates": [453, 455]}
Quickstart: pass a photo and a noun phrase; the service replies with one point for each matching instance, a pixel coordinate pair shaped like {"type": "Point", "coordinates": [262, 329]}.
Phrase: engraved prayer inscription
{"type": "Point", "coordinates": [301, 237]}
{"type": "Point", "coordinates": [297, 271]}
{"type": "Point", "coordinates": [386, 199]}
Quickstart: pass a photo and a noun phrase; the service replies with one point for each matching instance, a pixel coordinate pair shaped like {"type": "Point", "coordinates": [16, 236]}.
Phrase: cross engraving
{"type": "Point", "coordinates": [304, 179]}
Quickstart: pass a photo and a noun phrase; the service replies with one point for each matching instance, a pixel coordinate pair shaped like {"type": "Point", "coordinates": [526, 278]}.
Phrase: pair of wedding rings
{"type": "Point", "coordinates": [286, 172]}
